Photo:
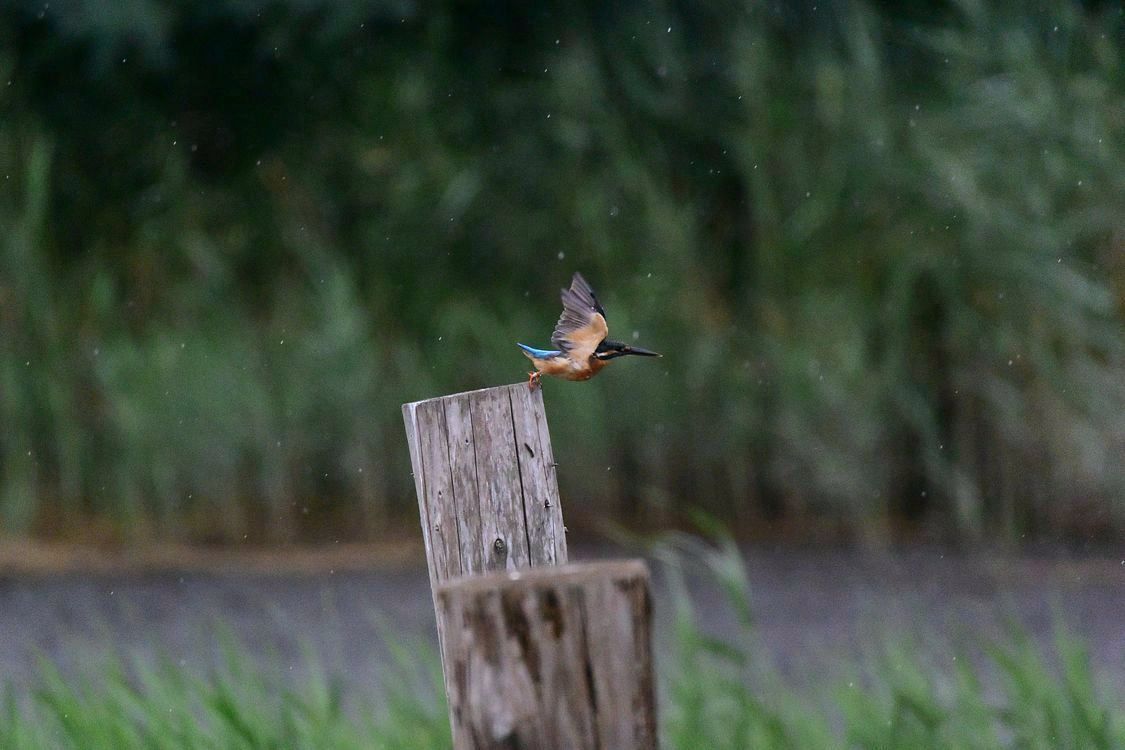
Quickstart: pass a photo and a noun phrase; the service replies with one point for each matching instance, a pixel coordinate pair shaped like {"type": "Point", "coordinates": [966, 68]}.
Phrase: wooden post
{"type": "Point", "coordinates": [550, 659]}
{"type": "Point", "coordinates": [485, 477]}
{"type": "Point", "coordinates": [555, 657]}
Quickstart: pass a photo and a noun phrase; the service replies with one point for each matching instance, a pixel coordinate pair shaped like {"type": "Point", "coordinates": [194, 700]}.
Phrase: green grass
{"type": "Point", "coordinates": [1015, 693]}
{"type": "Point", "coordinates": [242, 704]}
{"type": "Point", "coordinates": [714, 694]}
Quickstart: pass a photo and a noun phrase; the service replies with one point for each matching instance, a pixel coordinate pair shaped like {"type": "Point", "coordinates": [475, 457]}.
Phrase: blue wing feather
{"type": "Point", "coordinates": [539, 353]}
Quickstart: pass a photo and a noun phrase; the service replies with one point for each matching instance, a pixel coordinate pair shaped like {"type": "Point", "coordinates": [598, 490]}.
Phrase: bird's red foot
{"type": "Point", "coordinates": [533, 380]}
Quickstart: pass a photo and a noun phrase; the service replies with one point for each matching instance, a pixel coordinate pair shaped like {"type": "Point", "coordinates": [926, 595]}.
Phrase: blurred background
{"type": "Point", "coordinates": [881, 245]}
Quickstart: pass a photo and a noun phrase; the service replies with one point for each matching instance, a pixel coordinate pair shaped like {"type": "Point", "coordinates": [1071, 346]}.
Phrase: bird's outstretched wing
{"type": "Point", "coordinates": [582, 325]}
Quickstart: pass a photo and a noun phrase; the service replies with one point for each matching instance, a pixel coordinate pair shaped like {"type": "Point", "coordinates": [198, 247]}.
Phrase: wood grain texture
{"type": "Point", "coordinates": [550, 658]}
{"type": "Point", "coordinates": [546, 534]}
{"type": "Point", "coordinates": [503, 523]}
{"type": "Point", "coordinates": [484, 472]}
{"type": "Point", "coordinates": [441, 511]}
{"type": "Point", "coordinates": [463, 466]}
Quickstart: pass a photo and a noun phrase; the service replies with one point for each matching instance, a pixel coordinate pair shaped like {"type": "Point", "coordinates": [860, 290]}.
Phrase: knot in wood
{"type": "Point", "coordinates": [499, 547]}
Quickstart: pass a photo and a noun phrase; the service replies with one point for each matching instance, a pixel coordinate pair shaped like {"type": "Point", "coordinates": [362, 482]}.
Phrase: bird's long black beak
{"type": "Point", "coordinates": [640, 352]}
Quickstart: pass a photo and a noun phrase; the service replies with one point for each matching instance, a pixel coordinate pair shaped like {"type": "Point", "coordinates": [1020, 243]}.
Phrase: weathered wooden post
{"type": "Point", "coordinates": [536, 653]}
{"type": "Point", "coordinates": [551, 659]}
{"type": "Point", "coordinates": [485, 476]}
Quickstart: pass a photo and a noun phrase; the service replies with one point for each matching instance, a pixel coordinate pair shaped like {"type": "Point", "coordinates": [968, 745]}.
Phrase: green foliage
{"type": "Point", "coordinates": [239, 705]}
{"type": "Point", "coordinates": [881, 250]}
{"type": "Point", "coordinates": [726, 694]}
{"type": "Point", "coordinates": [715, 693]}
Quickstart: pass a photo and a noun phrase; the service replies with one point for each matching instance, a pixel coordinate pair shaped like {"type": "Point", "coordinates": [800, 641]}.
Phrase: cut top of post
{"type": "Point", "coordinates": [484, 472]}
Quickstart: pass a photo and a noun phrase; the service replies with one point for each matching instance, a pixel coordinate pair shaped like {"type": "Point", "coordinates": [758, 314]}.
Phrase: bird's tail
{"type": "Point", "coordinates": [533, 353]}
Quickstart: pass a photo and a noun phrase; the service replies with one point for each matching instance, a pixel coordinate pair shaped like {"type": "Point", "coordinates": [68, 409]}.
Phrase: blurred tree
{"type": "Point", "coordinates": [881, 242]}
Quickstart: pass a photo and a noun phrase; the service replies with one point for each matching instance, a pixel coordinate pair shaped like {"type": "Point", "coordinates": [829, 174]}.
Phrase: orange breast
{"type": "Point", "coordinates": [562, 367]}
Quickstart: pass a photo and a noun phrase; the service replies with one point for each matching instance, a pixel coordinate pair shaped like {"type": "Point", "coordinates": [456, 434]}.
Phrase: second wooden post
{"type": "Point", "coordinates": [551, 659]}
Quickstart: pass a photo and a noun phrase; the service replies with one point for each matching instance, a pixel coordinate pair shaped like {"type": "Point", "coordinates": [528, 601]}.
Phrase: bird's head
{"type": "Point", "coordinates": [613, 349]}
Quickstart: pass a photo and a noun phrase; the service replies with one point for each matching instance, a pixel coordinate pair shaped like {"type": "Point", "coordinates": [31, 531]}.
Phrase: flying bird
{"type": "Point", "coordinates": [580, 339]}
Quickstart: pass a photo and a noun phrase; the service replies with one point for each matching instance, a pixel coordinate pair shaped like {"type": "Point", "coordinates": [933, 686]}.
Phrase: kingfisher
{"type": "Point", "coordinates": [581, 339]}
